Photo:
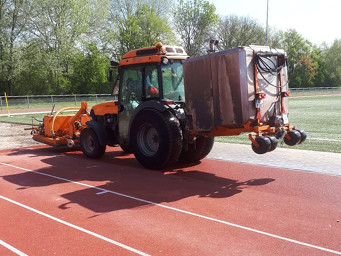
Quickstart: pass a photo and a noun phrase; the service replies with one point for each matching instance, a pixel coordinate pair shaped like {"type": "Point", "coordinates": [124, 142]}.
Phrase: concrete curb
{"type": "Point", "coordinates": [295, 159]}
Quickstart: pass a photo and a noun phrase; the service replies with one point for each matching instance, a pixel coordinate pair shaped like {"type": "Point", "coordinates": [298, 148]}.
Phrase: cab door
{"type": "Point", "coordinates": [131, 84]}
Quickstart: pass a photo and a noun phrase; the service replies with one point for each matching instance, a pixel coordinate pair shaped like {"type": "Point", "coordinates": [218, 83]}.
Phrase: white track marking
{"type": "Point", "coordinates": [10, 247]}
{"type": "Point", "coordinates": [185, 212]}
{"type": "Point", "coordinates": [324, 139]}
{"type": "Point", "coordinates": [103, 192]}
{"type": "Point", "coordinates": [75, 227]}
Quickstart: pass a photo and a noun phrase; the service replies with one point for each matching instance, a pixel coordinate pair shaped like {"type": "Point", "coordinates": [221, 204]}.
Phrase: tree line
{"type": "Point", "coordinates": [64, 46]}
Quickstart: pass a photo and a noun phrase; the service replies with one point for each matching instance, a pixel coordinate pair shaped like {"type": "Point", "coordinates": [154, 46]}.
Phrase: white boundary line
{"type": "Point", "coordinates": [75, 227]}
{"type": "Point", "coordinates": [321, 139]}
{"type": "Point", "coordinates": [183, 211]}
{"type": "Point", "coordinates": [10, 247]}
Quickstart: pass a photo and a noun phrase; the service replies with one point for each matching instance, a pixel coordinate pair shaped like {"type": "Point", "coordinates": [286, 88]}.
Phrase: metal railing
{"type": "Point", "coordinates": [314, 91]}
{"type": "Point", "coordinates": [45, 101]}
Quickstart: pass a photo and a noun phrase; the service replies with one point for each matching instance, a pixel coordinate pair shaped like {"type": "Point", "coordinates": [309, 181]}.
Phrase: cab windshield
{"type": "Point", "coordinates": [172, 80]}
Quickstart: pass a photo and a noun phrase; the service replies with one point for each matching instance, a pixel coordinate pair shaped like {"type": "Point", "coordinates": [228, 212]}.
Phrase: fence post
{"type": "Point", "coordinates": [75, 100]}
{"type": "Point", "coordinates": [1, 102]}
{"type": "Point", "coordinates": [28, 102]}
{"type": "Point", "coordinates": [52, 100]}
{"type": "Point", "coordinates": [96, 99]}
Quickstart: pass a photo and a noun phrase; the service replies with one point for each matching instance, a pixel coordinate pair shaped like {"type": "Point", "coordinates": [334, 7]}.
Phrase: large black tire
{"type": "Point", "coordinates": [203, 147]}
{"type": "Point", "coordinates": [90, 144]}
{"type": "Point", "coordinates": [155, 138]}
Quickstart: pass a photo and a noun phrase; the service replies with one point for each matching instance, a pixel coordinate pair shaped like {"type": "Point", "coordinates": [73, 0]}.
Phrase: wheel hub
{"type": "Point", "coordinates": [148, 139]}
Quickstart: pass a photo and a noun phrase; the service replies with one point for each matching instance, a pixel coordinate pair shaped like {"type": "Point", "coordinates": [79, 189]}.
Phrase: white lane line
{"type": "Point", "coordinates": [75, 227]}
{"type": "Point", "coordinates": [11, 248]}
{"type": "Point", "coordinates": [103, 192]}
{"type": "Point", "coordinates": [185, 212]}
{"type": "Point", "coordinates": [321, 139]}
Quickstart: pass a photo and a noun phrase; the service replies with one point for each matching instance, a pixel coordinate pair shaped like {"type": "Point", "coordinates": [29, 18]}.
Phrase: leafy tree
{"type": "Point", "coordinates": [304, 72]}
{"type": "Point", "coordinates": [333, 64]}
{"type": "Point", "coordinates": [121, 9]}
{"type": "Point", "coordinates": [194, 21]}
{"type": "Point", "coordinates": [90, 71]}
{"type": "Point", "coordinates": [275, 37]}
{"type": "Point", "coordinates": [120, 21]}
{"type": "Point", "coordinates": [13, 15]}
{"type": "Point", "coordinates": [59, 26]}
{"type": "Point", "coordinates": [301, 68]}
{"type": "Point", "coordinates": [320, 65]}
{"type": "Point", "coordinates": [234, 31]}
{"type": "Point", "coordinates": [141, 29]}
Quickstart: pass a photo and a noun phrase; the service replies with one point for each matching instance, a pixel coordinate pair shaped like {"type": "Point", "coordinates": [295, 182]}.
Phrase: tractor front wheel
{"type": "Point", "coordinates": [90, 144]}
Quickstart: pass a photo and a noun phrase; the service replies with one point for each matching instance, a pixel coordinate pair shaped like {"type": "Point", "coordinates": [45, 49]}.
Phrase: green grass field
{"type": "Point", "coordinates": [319, 116]}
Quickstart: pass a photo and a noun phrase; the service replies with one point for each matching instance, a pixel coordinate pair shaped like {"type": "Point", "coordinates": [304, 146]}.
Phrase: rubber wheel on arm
{"type": "Point", "coordinates": [90, 144]}
{"type": "Point", "coordinates": [303, 136]}
{"type": "Point", "coordinates": [264, 143]}
{"type": "Point", "coordinates": [295, 138]}
{"type": "Point", "coordinates": [155, 138]}
{"type": "Point", "coordinates": [203, 147]}
{"type": "Point", "coordinates": [274, 143]}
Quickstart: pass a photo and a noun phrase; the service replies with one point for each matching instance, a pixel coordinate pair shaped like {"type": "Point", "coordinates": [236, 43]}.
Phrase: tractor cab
{"type": "Point", "coordinates": [148, 77]}
{"type": "Point", "coordinates": [151, 73]}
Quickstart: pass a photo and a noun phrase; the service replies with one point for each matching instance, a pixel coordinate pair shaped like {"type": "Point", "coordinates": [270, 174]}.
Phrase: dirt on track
{"type": "Point", "coordinates": [15, 136]}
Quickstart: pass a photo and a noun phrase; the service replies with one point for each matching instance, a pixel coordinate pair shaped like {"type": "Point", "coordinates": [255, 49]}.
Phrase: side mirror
{"type": "Point", "coordinates": [110, 75]}
{"type": "Point", "coordinates": [114, 63]}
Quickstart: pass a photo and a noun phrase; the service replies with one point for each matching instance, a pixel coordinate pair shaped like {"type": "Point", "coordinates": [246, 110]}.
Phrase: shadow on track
{"type": "Point", "coordinates": [121, 173]}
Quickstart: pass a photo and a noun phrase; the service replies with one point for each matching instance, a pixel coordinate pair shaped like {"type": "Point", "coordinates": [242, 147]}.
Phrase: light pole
{"type": "Point", "coordinates": [267, 18]}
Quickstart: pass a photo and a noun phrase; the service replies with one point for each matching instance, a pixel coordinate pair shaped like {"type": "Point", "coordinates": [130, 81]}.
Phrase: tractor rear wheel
{"type": "Point", "coordinates": [155, 138]}
{"type": "Point", "coordinates": [90, 144]}
{"type": "Point", "coordinates": [202, 148]}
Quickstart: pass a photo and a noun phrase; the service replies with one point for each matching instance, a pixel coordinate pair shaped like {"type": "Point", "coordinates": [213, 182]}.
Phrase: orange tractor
{"type": "Point", "coordinates": [170, 107]}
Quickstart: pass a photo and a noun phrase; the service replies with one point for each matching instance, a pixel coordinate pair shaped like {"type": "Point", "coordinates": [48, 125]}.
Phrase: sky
{"type": "Point", "coordinates": [317, 21]}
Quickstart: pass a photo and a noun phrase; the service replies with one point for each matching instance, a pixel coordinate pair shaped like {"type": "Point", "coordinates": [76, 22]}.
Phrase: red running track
{"type": "Point", "coordinates": [56, 202]}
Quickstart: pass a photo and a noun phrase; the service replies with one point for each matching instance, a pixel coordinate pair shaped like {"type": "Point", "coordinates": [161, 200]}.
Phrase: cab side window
{"type": "Point", "coordinates": [131, 96]}
{"type": "Point", "coordinates": [151, 82]}
{"type": "Point", "coordinates": [131, 87]}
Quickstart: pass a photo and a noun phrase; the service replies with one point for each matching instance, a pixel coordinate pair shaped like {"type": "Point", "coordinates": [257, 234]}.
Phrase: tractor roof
{"type": "Point", "coordinates": [153, 54]}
